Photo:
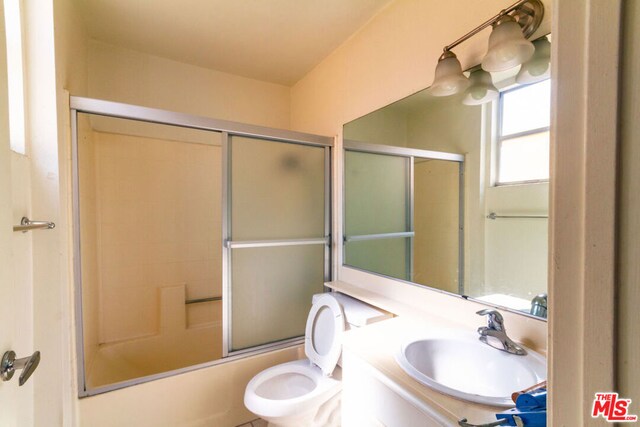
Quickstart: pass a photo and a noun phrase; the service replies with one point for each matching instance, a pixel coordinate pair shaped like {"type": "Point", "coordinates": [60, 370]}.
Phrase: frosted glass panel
{"type": "Point", "coordinates": [277, 190]}
{"type": "Point", "coordinates": [272, 290]}
{"type": "Point", "coordinates": [375, 193]}
{"type": "Point", "coordinates": [382, 256]}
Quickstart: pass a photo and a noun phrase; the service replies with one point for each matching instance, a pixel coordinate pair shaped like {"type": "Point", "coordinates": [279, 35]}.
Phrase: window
{"type": "Point", "coordinates": [523, 134]}
{"type": "Point", "coordinates": [15, 74]}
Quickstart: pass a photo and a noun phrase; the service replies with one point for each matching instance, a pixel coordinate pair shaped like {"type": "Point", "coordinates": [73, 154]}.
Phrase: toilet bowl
{"type": "Point", "coordinates": [306, 393]}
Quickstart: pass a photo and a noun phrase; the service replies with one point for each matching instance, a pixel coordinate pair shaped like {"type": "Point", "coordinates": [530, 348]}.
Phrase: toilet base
{"type": "Point", "coordinates": [328, 415]}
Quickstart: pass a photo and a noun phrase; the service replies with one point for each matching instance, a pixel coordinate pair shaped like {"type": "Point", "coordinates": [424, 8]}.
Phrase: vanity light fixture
{"type": "Point", "coordinates": [481, 90]}
{"type": "Point", "coordinates": [449, 78]}
{"type": "Point", "coordinates": [508, 46]}
{"type": "Point", "coordinates": [538, 67]}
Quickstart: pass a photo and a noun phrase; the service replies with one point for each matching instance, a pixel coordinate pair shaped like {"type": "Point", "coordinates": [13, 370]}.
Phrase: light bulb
{"type": "Point", "coordinates": [507, 46]}
{"type": "Point", "coordinates": [481, 90]}
{"type": "Point", "coordinates": [449, 79]}
{"type": "Point", "coordinates": [538, 68]}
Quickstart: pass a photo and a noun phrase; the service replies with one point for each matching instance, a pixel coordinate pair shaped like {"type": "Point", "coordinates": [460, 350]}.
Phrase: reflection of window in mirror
{"type": "Point", "coordinates": [523, 134]}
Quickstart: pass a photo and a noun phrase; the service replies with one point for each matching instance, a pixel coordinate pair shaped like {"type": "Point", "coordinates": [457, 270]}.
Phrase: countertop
{"type": "Point", "coordinates": [376, 344]}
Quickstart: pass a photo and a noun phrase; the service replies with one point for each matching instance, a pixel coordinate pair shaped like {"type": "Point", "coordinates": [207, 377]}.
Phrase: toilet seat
{"type": "Point", "coordinates": [323, 333]}
{"type": "Point", "coordinates": [259, 396]}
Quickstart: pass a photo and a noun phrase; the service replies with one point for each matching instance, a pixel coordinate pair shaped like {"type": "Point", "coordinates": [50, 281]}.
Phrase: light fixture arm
{"type": "Point", "coordinates": [528, 14]}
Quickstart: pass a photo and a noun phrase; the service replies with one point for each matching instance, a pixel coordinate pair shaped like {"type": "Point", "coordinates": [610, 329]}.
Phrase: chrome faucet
{"type": "Point", "coordinates": [495, 328]}
{"type": "Point", "coordinates": [539, 305]}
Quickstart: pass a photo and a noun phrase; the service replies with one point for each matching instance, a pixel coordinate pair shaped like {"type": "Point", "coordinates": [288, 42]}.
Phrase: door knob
{"type": "Point", "coordinates": [10, 364]}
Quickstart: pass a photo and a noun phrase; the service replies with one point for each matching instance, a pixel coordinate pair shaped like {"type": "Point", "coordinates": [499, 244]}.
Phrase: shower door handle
{"type": "Point", "coordinates": [10, 364]}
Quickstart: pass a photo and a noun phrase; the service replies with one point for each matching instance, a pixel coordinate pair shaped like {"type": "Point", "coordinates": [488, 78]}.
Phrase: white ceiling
{"type": "Point", "coordinates": [271, 40]}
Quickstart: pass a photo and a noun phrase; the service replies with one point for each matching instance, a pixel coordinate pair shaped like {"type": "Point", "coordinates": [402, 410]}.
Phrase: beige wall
{"type": "Point", "coordinates": [516, 250]}
{"type": "Point", "coordinates": [435, 256]}
{"type": "Point", "coordinates": [132, 77]}
{"type": "Point", "coordinates": [391, 57]}
{"type": "Point", "coordinates": [386, 126]}
{"type": "Point", "coordinates": [628, 375]}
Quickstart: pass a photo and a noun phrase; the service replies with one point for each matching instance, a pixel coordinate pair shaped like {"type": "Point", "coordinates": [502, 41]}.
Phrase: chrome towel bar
{"type": "Point", "coordinates": [26, 224]}
{"type": "Point", "coordinates": [494, 215]}
{"type": "Point", "coordinates": [199, 300]}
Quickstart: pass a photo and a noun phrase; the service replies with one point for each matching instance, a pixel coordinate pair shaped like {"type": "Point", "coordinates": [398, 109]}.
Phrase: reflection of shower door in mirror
{"type": "Point", "coordinates": [378, 215]}
{"type": "Point", "coordinates": [277, 239]}
{"type": "Point", "coordinates": [404, 214]}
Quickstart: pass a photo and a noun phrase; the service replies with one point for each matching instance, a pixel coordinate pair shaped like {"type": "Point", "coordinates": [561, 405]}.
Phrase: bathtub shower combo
{"type": "Point", "coordinates": [192, 236]}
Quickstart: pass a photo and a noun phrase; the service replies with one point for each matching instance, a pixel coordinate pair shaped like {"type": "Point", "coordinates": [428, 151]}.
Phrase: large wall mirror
{"type": "Point", "coordinates": [451, 193]}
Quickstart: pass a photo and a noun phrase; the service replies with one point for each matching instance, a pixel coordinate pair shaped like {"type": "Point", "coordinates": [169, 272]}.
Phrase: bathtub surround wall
{"type": "Point", "coordinates": [150, 211]}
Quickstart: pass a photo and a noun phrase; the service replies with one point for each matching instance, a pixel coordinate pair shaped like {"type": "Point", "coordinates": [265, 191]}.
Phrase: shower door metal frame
{"type": "Point", "coordinates": [410, 154]}
{"type": "Point", "coordinates": [226, 129]}
{"type": "Point", "coordinates": [229, 244]}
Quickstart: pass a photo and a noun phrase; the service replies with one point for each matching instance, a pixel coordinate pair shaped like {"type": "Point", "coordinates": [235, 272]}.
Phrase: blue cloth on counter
{"type": "Point", "coordinates": [530, 407]}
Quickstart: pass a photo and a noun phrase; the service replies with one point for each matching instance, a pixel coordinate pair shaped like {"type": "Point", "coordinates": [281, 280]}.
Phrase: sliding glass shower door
{"type": "Point", "coordinates": [277, 238]}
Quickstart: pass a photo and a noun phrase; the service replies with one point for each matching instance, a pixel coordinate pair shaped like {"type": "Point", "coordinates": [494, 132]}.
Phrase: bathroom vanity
{"type": "Point", "coordinates": [376, 389]}
{"type": "Point", "coordinates": [378, 392]}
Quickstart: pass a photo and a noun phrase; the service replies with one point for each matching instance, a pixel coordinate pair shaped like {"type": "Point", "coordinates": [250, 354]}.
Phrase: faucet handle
{"type": "Point", "coordinates": [495, 319]}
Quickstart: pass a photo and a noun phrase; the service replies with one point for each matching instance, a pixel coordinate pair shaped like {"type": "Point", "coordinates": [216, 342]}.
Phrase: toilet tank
{"type": "Point", "coordinates": [357, 313]}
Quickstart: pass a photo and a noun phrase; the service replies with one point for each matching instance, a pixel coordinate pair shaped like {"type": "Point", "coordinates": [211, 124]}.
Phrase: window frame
{"type": "Point", "coordinates": [499, 139]}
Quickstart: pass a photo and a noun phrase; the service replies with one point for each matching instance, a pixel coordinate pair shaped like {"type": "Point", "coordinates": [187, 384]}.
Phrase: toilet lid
{"type": "Point", "coordinates": [323, 335]}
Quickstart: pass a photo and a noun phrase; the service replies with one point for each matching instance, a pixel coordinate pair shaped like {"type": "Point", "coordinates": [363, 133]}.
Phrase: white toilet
{"type": "Point", "coordinates": [306, 393]}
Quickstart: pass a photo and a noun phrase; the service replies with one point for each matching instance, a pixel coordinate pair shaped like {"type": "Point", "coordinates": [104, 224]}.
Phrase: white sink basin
{"type": "Point", "coordinates": [463, 367]}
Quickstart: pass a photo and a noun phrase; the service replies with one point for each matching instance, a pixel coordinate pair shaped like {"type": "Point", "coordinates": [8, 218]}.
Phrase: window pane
{"type": "Point", "coordinates": [526, 108]}
{"type": "Point", "coordinates": [375, 193]}
{"type": "Point", "coordinates": [382, 256]}
{"type": "Point", "coordinates": [272, 290]}
{"type": "Point", "coordinates": [525, 158]}
{"type": "Point", "coordinates": [15, 75]}
{"type": "Point", "coordinates": [277, 190]}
